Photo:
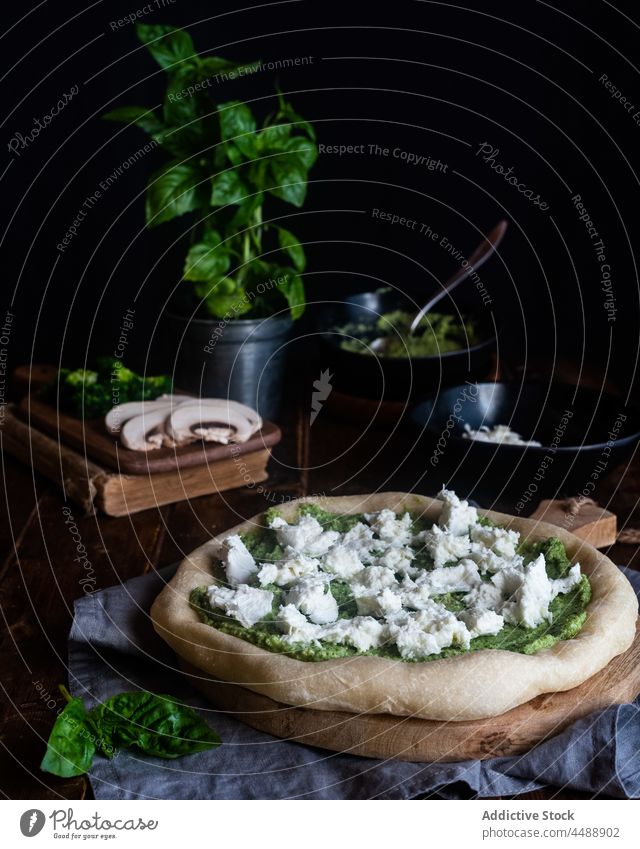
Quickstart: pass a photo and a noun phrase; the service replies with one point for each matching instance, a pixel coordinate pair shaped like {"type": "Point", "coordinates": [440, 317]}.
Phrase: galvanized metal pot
{"type": "Point", "coordinates": [242, 359]}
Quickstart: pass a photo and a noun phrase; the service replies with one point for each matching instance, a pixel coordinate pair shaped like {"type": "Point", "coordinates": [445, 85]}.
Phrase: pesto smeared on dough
{"type": "Point", "coordinates": [329, 586]}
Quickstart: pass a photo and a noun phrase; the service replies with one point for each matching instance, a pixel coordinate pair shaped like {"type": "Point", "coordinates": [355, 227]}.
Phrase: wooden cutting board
{"type": "Point", "coordinates": [420, 740]}
{"type": "Point", "coordinates": [91, 439]}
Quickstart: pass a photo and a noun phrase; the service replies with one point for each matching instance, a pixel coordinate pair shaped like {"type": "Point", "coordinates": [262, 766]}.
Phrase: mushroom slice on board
{"type": "Point", "coordinates": [212, 420]}
{"type": "Point", "coordinates": [145, 432]}
{"type": "Point", "coordinates": [121, 413]}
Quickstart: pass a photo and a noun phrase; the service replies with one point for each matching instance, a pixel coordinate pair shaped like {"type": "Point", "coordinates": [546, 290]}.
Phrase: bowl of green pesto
{"type": "Point", "coordinates": [446, 349]}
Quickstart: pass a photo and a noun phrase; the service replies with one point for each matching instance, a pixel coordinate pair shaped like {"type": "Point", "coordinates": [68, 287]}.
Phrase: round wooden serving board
{"type": "Point", "coordinates": [420, 740]}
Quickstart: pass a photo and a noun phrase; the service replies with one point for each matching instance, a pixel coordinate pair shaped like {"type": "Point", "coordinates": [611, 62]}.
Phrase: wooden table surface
{"type": "Point", "coordinates": [39, 578]}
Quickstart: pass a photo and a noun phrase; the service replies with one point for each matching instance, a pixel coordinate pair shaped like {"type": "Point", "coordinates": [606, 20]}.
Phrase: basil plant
{"type": "Point", "coordinates": [225, 166]}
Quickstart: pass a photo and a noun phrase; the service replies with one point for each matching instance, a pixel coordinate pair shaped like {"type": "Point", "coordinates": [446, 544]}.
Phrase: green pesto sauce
{"type": "Point", "coordinates": [436, 334]}
{"type": "Point", "coordinates": [569, 610]}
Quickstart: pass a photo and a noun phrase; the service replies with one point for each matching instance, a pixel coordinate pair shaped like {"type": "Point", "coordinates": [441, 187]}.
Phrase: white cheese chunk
{"type": "Point", "coordinates": [246, 604]}
{"type": "Point", "coordinates": [462, 577]}
{"type": "Point", "coordinates": [239, 564]}
{"type": "Point", "coordinates": [563, 585]}
{"type": "Point", "coordinates": [360, 539]}
{"type": "Point", "coordinates": [286, 572]}
{"type": "Point", "coordinates": [306, 535]}
{"type": "Point", "coordinates": [380, 604]}
{"type": "Point", "coordinates": [427, 632]}
{"type": "Point", "coordinates": [312, 596]}
{"type": "Point", "coordinates": [501, 541]}
{"type": "Point", "coordinates": [529, 591]}
{"type": "Point", "coordinates": [443, 547]}
{"type": "Point", "coordinates": [362, 632]}
{"type": "Point", "coordinates": [489, 561]}
{"type": "Point", "coordinates": [481, 622]}
{"type": "Point", "coordinates": [399, 560]}
{"type": "Point", "coordinates": [367, 588]}
{"type": "Point", "coordinates": [457, 517]}
{"type": "Point", "coordinates": [389, 529]}
{"type": "Point", "coordinates": [485, 597]}
{"type": "Point", "coordinates": [295, 626]}
{"type": "Point", "coordinates": [343, 561]}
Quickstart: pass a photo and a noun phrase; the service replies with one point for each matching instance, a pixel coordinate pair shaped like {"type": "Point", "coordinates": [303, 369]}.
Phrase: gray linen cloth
{"type": "Point", "coordinates": [113, 648]}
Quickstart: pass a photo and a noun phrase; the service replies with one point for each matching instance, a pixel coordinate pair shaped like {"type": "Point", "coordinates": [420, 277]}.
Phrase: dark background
{"type": "Point", "coordinates": [432, 78]}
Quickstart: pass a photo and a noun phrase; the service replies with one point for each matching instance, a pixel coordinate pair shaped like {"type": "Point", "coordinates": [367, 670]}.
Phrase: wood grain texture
{"type": "Point", "coordinates": [583, 518]}
{"type": "Point", "coordinates": [426, 741]}
{"type": "Point", "coordinates": [91, 440]}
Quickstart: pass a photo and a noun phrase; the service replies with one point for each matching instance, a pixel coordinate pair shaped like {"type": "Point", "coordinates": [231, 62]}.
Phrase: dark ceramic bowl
{"type": "Point", "coordinates": [584, 433]}
{"type": "Point", "coordinates": [395, 378]}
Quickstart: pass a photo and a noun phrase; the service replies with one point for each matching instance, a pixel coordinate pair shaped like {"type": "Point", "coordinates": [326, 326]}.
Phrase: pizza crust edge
{"type": "Point", "coordinates": [470, 686]}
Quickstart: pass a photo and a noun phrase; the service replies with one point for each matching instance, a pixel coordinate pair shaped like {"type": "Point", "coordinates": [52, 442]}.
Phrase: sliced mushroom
{"type": "Point", "coordinates": [145, 432]}
{"type": "Point", "coordinates": [121, 413]}
{"type": "Point", "coordinates": [212, 420]}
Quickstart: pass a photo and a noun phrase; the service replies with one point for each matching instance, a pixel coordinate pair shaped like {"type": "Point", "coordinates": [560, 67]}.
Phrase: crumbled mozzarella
{"type": "Point", "coordinates": [457, 517]}
{"type": "Point", "coordinates": [563, 585]}
{"type": "Point", "coordinates": [529, 591]}
{"type": "Point", "coordinates": [392, 531]}
{"type": "Point", "coordinates": [361, 632]}
{"type": "Point", "coordinates": [485, 597]}
{"type": "Point", "coordinates": [399, 560]}
{"type": "Point", "coordinates": [426, 632]}
{"type": "Point", "coordinates": [286, 572]}
{"type": "Point", "coordinates": [501, 541]}
{"type": "Point", "coordinates": [295, 626]}
{"type": "Point", "coordinates": [246, 604]}
{"type": "Point", "coordinates": [238, 561]}
{"type": "Point", "coordinates": [481, 622]}
{"type": "Point", "coordinates": [462, 577]}
{"type": "Point", "coordinates": [343, 561]}
{"type": "Point", "coordinates": [395, 599]}
{"type": "Point", "coordinates": [306, 535]}
{"type": "Point", "coordinates": [312, 596]}
{"type": "Point", "coordinates": [499, 434]}
{"type": "Point", "coordinates": [368, 588]}
{"type": "Point", "coordinates": [380, 605]}
{"type": "Point", "coordinates": [360, 539]}
{"type": "Point", "coordinates": [489, 561]}
{"type": "Point", "coordinates": [443, 547]}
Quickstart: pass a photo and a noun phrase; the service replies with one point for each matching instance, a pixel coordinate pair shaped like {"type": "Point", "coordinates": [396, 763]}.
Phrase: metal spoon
{"type": "Point", "coordinates": [485, 249]}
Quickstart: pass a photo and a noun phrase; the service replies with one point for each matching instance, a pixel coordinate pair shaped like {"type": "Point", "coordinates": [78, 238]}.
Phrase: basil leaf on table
{"type": "Point", "coordinates": [71, 744]}
{"type": "Point", "coordinates": [155, 725]}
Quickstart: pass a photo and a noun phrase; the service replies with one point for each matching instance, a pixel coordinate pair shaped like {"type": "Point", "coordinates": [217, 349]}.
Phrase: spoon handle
{"type": "Point", "coordinates": [481, 254]}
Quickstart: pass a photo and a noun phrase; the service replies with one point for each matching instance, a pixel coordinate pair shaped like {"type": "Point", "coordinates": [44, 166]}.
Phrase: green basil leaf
{"type": "Point", "coordinates": [226, 297]}
{"type": "Point", "coordinates": [138, 115]}
{"type": "Point", "coordinates": [206, 261]}
{"type": "Point", "coordinates": [291, 246]}
{"type": "Point", "coordinates": [71, 745]}
{"type": "Point", "coordinates": [302, 150]}
{"type": "Point", "coordinates": [246, 211]}
{"type": "Point", "coordinates": [238, 125]}
{"type": "Point", "coordinates": [228, 188]}
{"type": "Point", "coordinates": [293, 290]}
{"type": "Point", "coordinates": [212, 65]}
{"type": "Point", "coordinates": [298, 122]}
{"type": "Point", "coordinates": [290, 181]}
{"type": "Point", "coordinates": [156, 725]}
{"type": "Point", "coordinates": [273, 137]}
{"type": "Point", "coordinates": [172, 191]}
{"type": "Point", "coordinates": [167, 45]}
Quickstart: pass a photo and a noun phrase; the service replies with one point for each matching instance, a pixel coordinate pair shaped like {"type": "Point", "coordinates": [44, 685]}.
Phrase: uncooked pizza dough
{"type": "Point", "coordinates": [471, 685]}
